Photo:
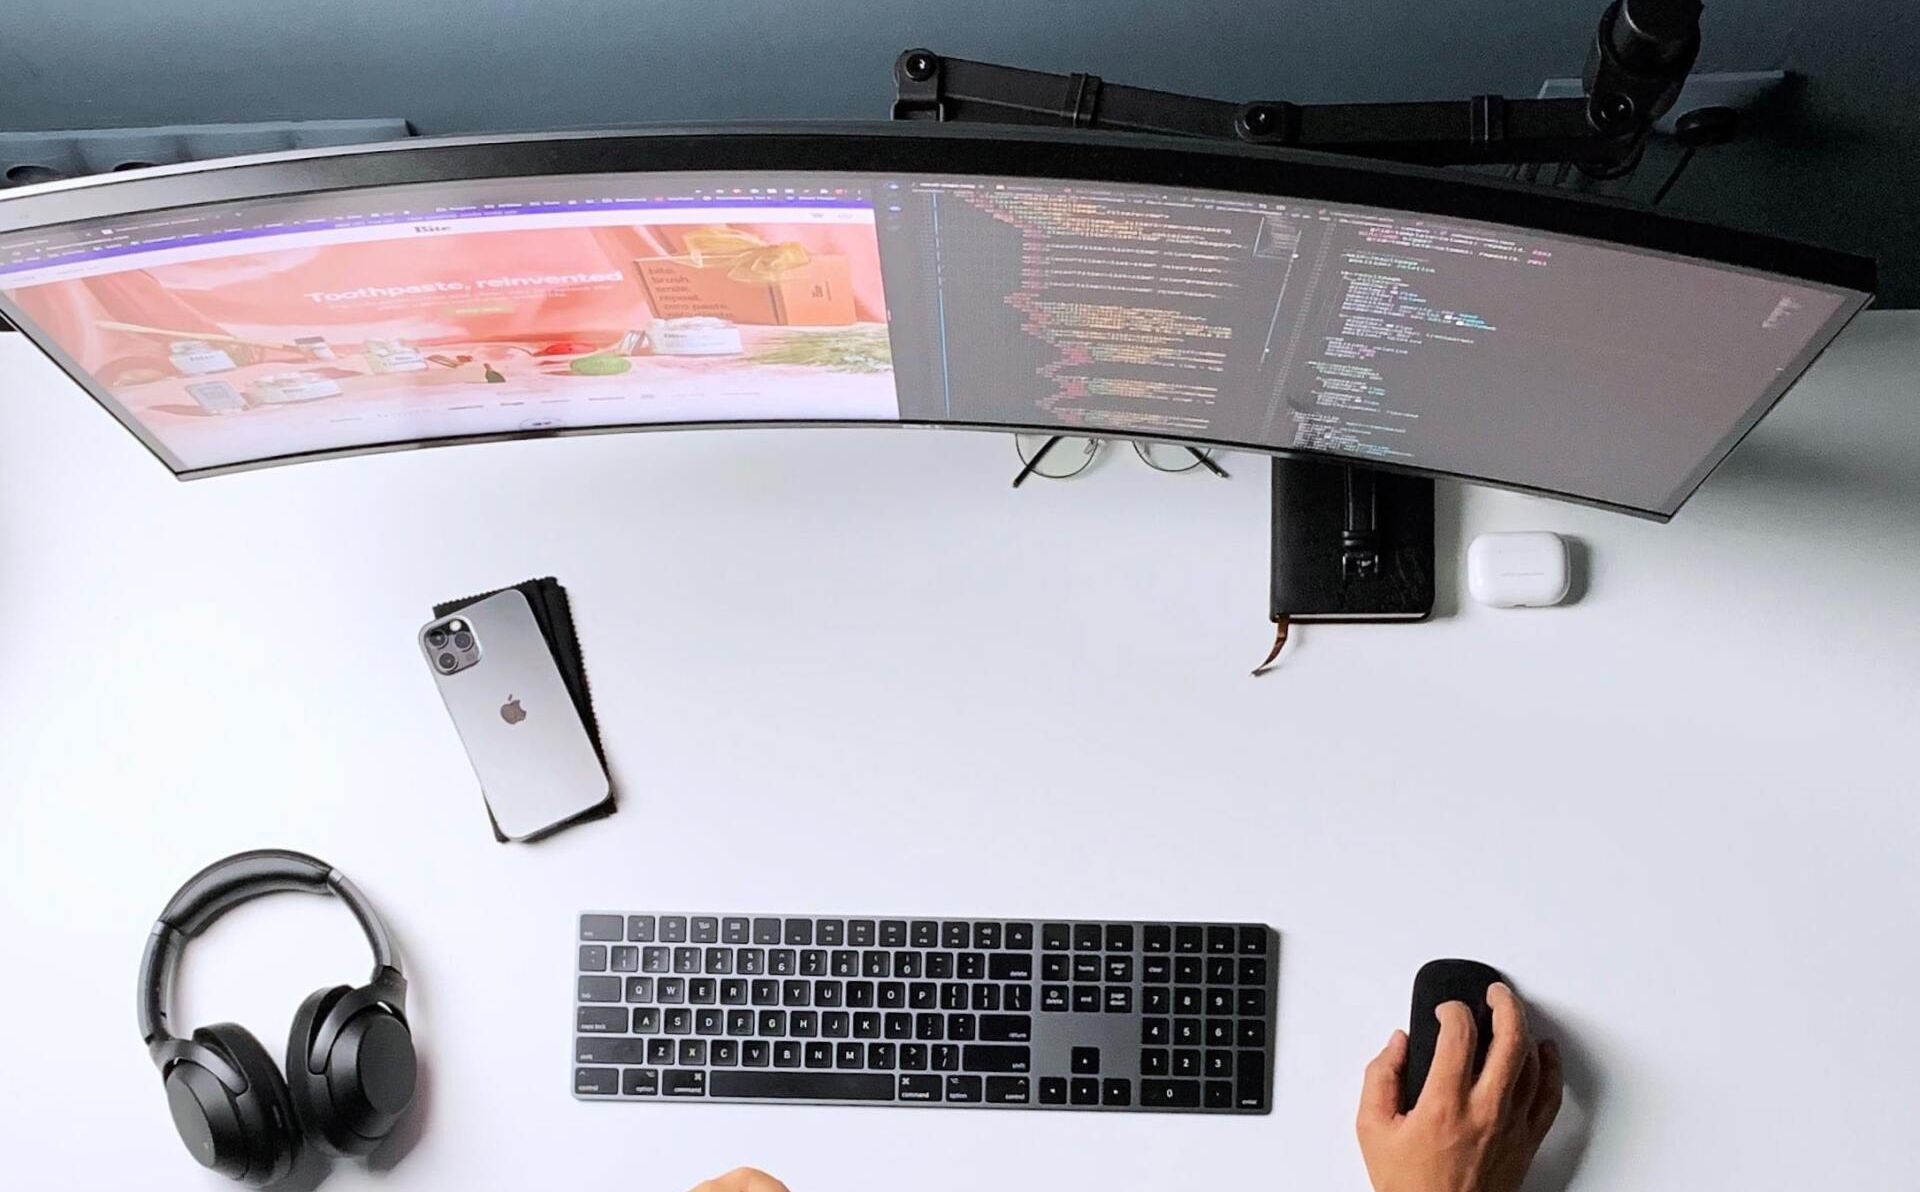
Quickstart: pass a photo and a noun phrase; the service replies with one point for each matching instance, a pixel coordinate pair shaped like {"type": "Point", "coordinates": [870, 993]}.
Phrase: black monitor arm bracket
{"type": "Point", "coordinates": [1356, 545]}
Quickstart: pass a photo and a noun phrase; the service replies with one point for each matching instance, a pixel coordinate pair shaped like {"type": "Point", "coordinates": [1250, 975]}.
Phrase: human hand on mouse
{"type": "Point", "coordinates": [742, 1179]}
{"type": "Point", "coordinates": [1466, 1133]}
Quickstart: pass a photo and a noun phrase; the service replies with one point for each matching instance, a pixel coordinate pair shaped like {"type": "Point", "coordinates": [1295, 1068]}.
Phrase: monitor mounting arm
{"type": "Point", "coordinates": [1349, 543]}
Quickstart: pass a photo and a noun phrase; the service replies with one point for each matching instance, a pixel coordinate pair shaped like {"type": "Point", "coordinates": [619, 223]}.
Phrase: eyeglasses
{"type": "Point", "coordinates": [1062, 457]}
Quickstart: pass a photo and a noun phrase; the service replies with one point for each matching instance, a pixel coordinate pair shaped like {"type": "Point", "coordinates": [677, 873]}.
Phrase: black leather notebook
{"type": "Point", "coordinates": [554, 614]}
{"type": "Point", "coordinates": [1311, 577]}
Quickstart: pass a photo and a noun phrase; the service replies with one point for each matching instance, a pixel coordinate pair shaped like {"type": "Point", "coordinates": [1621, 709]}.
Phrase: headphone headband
{"type": "Point", "coordinates": [227, 883]}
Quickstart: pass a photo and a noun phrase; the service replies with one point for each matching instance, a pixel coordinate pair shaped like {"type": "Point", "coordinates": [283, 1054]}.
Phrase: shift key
{"type": "Point", "coordinates": [987, 1058]}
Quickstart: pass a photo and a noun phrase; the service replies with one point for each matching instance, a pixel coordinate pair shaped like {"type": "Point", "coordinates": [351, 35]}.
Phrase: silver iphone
{"type": "Point", "coordinates": [537, 766]}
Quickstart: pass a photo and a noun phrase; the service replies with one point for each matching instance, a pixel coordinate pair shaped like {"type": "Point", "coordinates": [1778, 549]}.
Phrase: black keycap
{"type": "Point", "coordinates": [1188, 970]}
{"type": "Point", "coordinates": [910, 965]}
{"type": "Point", "coordinates": [1086, 937]}
{"type": "Point", "coordinates": [706, 930]}
{"type": "Point", "coordinates": [678, 1020]}
{"type": "Point", "coordinates": [828, 993]}
{"type": "Point", "coordinates": [986, 996]}
{"type": "Point", "coordinates": [1253, 1003]}
{"type": "Point", "coordinates": [796, 992]}
{"type": "Point", "coordinates": [601, 1020]}
{"type": "Point", "coordinates": [1157, 970]}
{"type": "Point", "coordinates": [1189, 939]}
{"type": "Point", "coordinates": [659, 1051]}
{"type": "Point", "coordinates": [1252, 1033]}
{"type": "Point", "coordinates": [640, 1082]}
{"type": "Point", "coordinates": [597, 1082]}
{"type": "Point", "coordinates": [1186, 1031]}
{"type": "Point", "coordinates": [860, 994]}
{"type": "Point", "coordinates": [703, 991]}
{"type": "Point", "coordinates": [640, 929]}
{"type": "Point", "coordinates": [1157, 937]}
{"type": "Point", "coordinates": [1222, 940]}
{"type": "Point", "coordinates": [673, 929]}
{"type": "Point", "coordinates": [946, 1057]}
{"type": "Point", "coordinates": [686, 961]}
{"type": "Point", "coordinates": [735, 931]}
{"type": "Point", "coordinates": [1055, 937]}
{"type": "Point", "coordinates": [765, 993]}
{"type": "Point", "coordinates": [718, 961]}
{"type": "Point", "coordinates": [866, 1025]}
{"type": "Point", "coordinates": [1153, 1061]}
{"type": "Point", "coordinates": [693, 1053]}
{"type": "Point", "coordinates": [1253, 940]}
{"type": "Point", "coordinates": [1186, 1000]}
{"type": "Point", "coordinates": [1010, 966]}
{"type": "Point", "coordinates": [1250, 1083]}
{"type": "Point", "coordinates": [1053, 998]}
{"type": "Point", "coordinates": [876, 964]}
{"type": "Point", "coordinates": [625, 958]}
{"type": "Point", "coordinates": [898, 1026]}
{"type": "Point", "coordinates": [739, 1022]}
{"type": "Point", "coordinates": [830, 933]}
{"type": "Point", "coordinates": [819, 1054]}
{"type": "Point", "coordinates": [893, 933]}
{"type": "Point", "coordinates": [733, 992]}
{"type": "Point", "coordinates": [986, 936]}
{"type": "Point", "coordinates": [860, 933]}
{"type": "Point", "coordinates": [803, 1024]}
{"type": "Point", "coordinates": [786, 1054]}
{"type": "Point", "coordinates": [1053, 1090]}
{"type": "Point", "coordinates": [954, 935]}
{"type": "Point", "coordinates": [708, 1022]}
{"type": "Point", "coordinates": [973, 966]}
{"type": "Point", "coordinates": [1170, 1094]}
{"type": "Point", "coordinates": [1018, 997]}
{"type": "Point", "coordinates": [1219, 1032]}
{"type": "Point", "coordinates": [656, 959]}
{"type": "Point", "coordinates": [961, 1028]}
{"type": "Point", "coordinates": [963, 1089]}
{"type": "Point", "coordinates": [1156, 1031]}
{"type": "Point", "coordinates": [671, 991]}
{"type": "Point", "coordinates": [990, 1057]}
{"type": "Point", "coordinates": [1056, 968]}
{"type": "Point", "coordinates": [1218, 1063]}
{"type": "Point", "coordinates": [1156, 999]}
{"type": "Point", "coordinates": [756, 1053]}
{"type": "Point", "coordinates": [850, 1055]}
{"type": "Point", "coordinates": [813, 962]}
{"type": "Point", "coordinates": [799, 932]}
{"type": "Point", "coordinates": [1253, 971]}
{"type": "Point", "coordinates": [923, 995]}
{"type": "Point", "coordinates": [766, 931]}
{"type": "Point", "coordinates": [892, 994]}
{"type": "Point", "coordinates": [1119, 937]}
{"type": "Point", "coordinates": [1116, 1093]}
{"type": "Point", "coordinates": [1085, 1090]}
{"type": "Point", "coordinates": [836, 1024]}
{"type": "Point", "coordinates": [929, 1027]}
{"type": "Point", "coordinates": [1020, 936]}
{"type": "Point", "coordinates": [683, 1084]}
{"type": "Point", "coordinates": [750, 962]}
{"type": "Point", "coordinates": [1219, 1094]}
{"type": "Point", "coordinates": [1219, 1001]}
{"type": "Point", "coordinates": [1186, 1062]}
{"type": "Point", "coordinates": [725, 1053]}
{"type": "Point", "coordinates": [914, 1057]}
{"type": "Point", "coordinates": [880, 1056]}
{"type": "Point", "coordinates": [1119, 999]}
{"type": "Point", "coordinates": [921, 1088]}
{"type": "Point", "coordinates": [606, 928]}
{"type": "Point", "coordinates": [1006, 1028]}
{"type": "Point", "coordinates": [600, 989]}
{"type": "Point", "coordinates": [1086, 968]}
{"type": "Point", "coordinates": [593, 958]}
{"type": "Point", "coordinates": [925, 933]}
{"type": "Point", "coordinates": [1086, 1061]}
{"type": "Point", "coordinates": [953, 996]}
{"type": "Point", "coordinates": [1007, 1090]}
{"type": "Point", "coordinates": [1086, 999]}
{"type": "Point", "coordinates": [610, 1049]}
{"type": "Point", "coordinates": [1119, 969]}
{"type": "Point", "coordinates": [1219, 970]}
{"type": "Point", "coordinates": [646, 1020]}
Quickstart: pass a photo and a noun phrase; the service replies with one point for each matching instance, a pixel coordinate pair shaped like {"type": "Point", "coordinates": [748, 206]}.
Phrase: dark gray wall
{"type": "Point", "coordinates": [1838, 167]}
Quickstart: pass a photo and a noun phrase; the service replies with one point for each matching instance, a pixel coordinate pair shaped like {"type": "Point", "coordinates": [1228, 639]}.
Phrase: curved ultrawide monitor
{"type": "Point", "coordinates": [276, 309]}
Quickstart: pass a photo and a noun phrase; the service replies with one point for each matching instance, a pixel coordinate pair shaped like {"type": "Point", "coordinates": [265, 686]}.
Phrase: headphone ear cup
{"type": "Point", "coordinates": [351, 1097]}
{"type": "Point", "coordinates": [257, 1139]}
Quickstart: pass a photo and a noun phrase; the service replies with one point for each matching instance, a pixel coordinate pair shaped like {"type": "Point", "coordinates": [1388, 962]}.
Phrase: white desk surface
{"type": "Point", "coordinates": [851, 671]}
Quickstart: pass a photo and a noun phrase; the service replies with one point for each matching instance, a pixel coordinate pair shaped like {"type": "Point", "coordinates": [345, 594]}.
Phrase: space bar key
{"type": "Point", "coordinates": [802, 1086]}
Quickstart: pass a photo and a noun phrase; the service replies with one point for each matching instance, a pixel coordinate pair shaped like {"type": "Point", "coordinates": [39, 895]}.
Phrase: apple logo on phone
{"type": "Point", "coordinates": [511, 711]}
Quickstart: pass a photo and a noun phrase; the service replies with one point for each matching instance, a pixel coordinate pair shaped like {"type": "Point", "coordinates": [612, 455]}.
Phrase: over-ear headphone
{"type": "Point", "coordinates": [350, 1063]}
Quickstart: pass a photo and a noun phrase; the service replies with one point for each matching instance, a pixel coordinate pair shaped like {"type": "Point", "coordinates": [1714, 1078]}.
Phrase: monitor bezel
{"type": "Point", "coordinates": [879, 148]}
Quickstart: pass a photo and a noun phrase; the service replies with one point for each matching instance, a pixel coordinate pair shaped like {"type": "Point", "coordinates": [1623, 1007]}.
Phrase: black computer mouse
{"type": "Point", "coordinates": [1439, 982]}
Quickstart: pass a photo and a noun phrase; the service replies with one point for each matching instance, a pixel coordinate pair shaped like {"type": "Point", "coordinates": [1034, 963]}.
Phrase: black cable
{"type": "Point", "coordinates": [1686, 155]}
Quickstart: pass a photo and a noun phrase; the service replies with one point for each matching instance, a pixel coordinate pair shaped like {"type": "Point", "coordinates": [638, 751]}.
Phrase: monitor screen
{"type": "Point", "coordinates": [284, 326]}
